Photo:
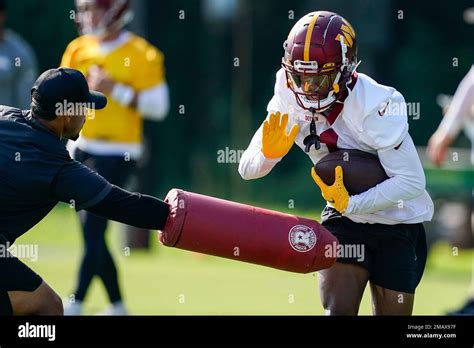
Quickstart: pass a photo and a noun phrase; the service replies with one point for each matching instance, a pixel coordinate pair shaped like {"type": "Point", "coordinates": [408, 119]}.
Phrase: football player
{"type": "Point", "coordinates": [460, 113]}
{"type": "Point", "coordinates": [130, 72]}
{"type": "Point", "coordinates": [18, 65]}
{"type": "Point", "coordinates": [322, 104]}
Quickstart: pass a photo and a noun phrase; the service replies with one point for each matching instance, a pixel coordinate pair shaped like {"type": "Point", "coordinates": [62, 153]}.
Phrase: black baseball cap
{"type": "Point", "coordinates": [64, 85]}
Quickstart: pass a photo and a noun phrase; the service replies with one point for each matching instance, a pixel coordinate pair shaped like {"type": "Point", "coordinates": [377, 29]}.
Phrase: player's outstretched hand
{"type": "Point", "coordinates": [336, 194]}
{"type": "Point", "coordinates": [275, 141]}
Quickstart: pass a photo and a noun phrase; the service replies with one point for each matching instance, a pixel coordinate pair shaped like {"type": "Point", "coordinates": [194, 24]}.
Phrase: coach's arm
{"type": "Point", "coordinates": [82, 188]}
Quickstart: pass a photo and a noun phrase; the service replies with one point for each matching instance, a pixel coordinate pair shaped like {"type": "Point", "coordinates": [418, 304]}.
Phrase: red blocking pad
{"type": "Point", "coordinates": [245, 233]}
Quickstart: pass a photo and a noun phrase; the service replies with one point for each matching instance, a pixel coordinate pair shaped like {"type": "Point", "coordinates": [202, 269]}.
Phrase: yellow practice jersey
{"type": "Point", "coordinates": [135, 63]}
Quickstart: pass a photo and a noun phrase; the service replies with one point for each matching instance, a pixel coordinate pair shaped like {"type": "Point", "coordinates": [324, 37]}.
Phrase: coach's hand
{"type": "Point", "coordinates": [275, 142]}
{"type": "Point", "coordinates": [336, 194]}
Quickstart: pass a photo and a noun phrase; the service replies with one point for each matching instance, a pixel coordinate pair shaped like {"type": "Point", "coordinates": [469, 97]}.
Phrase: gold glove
{"type": "Point", "coordinates": [336, 194]}
{"type": "Point", "coordinates": [275, 142]}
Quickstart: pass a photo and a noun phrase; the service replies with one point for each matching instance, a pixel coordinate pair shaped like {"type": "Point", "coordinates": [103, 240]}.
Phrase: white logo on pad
{"type": "Point", "coordinates": [302, 238]}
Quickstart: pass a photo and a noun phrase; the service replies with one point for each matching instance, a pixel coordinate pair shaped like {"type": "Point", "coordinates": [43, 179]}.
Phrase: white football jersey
{"type": "Point", "coordinates": [372, 118]}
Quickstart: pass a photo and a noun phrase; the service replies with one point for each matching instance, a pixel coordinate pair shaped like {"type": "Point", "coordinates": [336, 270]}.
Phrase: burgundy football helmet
{"type": "Point", "coordinates": [98, 17]}
{"type": "Point", "coordinates": [320, 58]}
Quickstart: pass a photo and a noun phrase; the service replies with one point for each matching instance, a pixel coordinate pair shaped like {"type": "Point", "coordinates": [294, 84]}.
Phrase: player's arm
{"type": "Point", "coordinates": [260, 158]}
{"type": "Point", "coordinates": [458, 112]}
{"type": "Point", "coordinates": [269, 145]}
{"type": "Point", "coordinates": [151, 102]}
{"type": "Point", "coordinates": [149, 92]}
{"type": "Point", "coordinates": [83, 188]}
{"type": "Point", "coordinates": [406, 181]}
{"type": "Point", "coordinates": [151, 97]}
{"type": "Point", "coordinates": [388, 134]}
{"type": "Point", "coordinates": [460, 107]}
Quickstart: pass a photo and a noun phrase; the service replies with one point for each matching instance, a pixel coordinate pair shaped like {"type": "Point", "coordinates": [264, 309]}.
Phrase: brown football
{"type": "Point", "coordinates": [362, 170]}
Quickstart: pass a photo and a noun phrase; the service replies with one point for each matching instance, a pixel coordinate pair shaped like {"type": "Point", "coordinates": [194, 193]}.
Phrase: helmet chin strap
{"type": "Point", "coordinates": [313, 137]}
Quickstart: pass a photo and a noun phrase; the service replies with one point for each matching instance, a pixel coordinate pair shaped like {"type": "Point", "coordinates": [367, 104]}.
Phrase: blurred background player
{"type": "Point", "coordinates": [18, 67]}
{"type": "Point", "coordinates": [460, 113]}
{"type": "Point", "coordinates": [130, 72]}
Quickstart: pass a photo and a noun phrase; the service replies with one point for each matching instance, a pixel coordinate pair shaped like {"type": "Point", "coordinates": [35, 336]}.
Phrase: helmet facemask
{"type": "Point", "coordinates": [317, 88]}
{"type": "Point", "coordinates": [314, 90]}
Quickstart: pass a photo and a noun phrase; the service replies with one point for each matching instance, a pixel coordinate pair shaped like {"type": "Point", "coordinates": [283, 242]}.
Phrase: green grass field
{"type": "Point", "coordinates": [167, 281]}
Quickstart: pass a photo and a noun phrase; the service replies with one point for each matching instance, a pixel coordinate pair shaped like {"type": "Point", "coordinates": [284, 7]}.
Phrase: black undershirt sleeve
{"type": "Point", "coordinates": [84, 188]}
{"type": "Point", "coordinates": [133, 209]}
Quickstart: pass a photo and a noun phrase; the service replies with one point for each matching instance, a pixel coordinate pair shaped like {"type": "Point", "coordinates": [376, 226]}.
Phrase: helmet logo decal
{"type": "Point", "coordinates": [348, 34]}
{"type": "Point", "coordinates": [328, 67]}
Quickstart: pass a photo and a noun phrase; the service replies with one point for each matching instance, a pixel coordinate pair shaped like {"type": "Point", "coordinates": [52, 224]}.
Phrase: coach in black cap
{"type": "Point", "coordinates": [64, 92]}
{"type": "Point", "coordinates": [36, 172]}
